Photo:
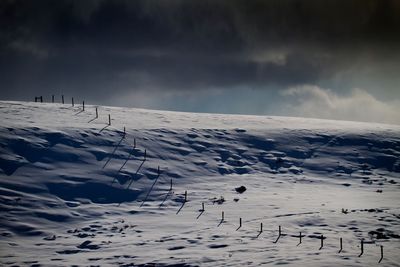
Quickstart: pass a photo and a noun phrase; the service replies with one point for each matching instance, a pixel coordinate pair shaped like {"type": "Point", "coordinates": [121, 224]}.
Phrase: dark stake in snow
{"type": "Point", "coordinates": [322, 242]}
{"type": "Point", "coordinates": [341, 245]}
{"type": "Point", "coordinates": [240, 224]}
{"type": "Point", "coordinates": [222, 218]}
{"type": "Point", "coordinates": [201, 211]}
{"type": "Point", "coordinates": [381, 255]}
{"type": "Point", "coordinates": [300, 237]}
{"type": "Point", "coordinates": [279, 234]}
{"type": "Point", "coordinates": [72, 101]}
{"type": "Point", "coordinates": [97, 116]}
{"type": "Point", "coordinates": [362, 247]}
{"type": "Point", "coordinates": [183, 203]}
{"type": "Point", "coordinates": [261, 230]}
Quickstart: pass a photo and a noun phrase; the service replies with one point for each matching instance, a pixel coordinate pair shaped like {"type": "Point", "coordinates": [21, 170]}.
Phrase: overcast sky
{"type": "Point", "coordinates": [329, 59]}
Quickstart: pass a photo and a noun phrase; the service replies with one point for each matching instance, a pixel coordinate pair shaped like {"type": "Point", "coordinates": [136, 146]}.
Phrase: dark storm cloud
{"type": "Point", "coordinates": [115, 46]}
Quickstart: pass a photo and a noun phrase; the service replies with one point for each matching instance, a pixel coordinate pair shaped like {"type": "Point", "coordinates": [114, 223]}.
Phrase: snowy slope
{"type": "Point", "coordinates": [72, 188]}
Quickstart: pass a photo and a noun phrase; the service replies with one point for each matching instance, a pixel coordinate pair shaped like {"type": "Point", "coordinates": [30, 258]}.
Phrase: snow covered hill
{"type": "Point", "coordinates": [75, 190]}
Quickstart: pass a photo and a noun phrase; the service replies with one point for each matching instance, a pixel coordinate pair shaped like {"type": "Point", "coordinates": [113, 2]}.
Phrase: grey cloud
{"type": "Point", "coordinates": [96, 48]}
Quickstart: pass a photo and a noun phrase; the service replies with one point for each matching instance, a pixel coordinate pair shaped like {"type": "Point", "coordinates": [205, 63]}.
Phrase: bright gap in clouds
{"type": "Point", "coordinates": [302, 101]}
{"type": "Point", "coordinates": [358, 105]}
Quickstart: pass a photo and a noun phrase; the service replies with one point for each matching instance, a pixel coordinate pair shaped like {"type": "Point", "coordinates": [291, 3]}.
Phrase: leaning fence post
{"type": "Point", "coordinates": [279, 234]}
{"type": "Point", "coordinates": [362, 247]}
{"type": "Point", "coordinates": [322, 241]}
{"type": "Point", "coordinates": [72, 101]}
{"type": "Point", "coordinates": [222, 217]}
{"type": "Point", "coordinates": [109, 119]}
{"type": "Point", "coordinates": [381, 255]}
{"type": "Point", "coordinates": [185, 195]}
{"type": "Point", "coordinates": [52, 98]}
{"type": "Point", "coordinates": [62, 99]}
{"type": "Point", "coordinates": [202, 206]}
{"type": "Point", "coordinates": [341, 245]}
{"type": "Point", "coordinates": [97, 113]}
{"type": "Point", "coordinates": [300, 238]}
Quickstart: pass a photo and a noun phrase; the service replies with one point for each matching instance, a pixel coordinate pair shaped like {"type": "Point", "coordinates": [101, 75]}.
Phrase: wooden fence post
{"type": "Point", "coordinates": [362, 247]}
{"type": "Point", "coordinates": [279, 234]}
{"type": "Point", "coordinates": [62, 99]}
{"type": "Point", "coordinates": [322, 242]}
{"type": "Point", "coordinates": [83, 105]}
{"type": "Point", "coordinates": [72, 101]}
{"type": "Point", "coordinates": [52, 98]}
{"type": "Point", "coordinates": [109, 119]}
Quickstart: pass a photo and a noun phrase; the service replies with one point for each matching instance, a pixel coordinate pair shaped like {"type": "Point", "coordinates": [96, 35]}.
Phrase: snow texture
{"type": "Point", "coordinates": [77, 191]}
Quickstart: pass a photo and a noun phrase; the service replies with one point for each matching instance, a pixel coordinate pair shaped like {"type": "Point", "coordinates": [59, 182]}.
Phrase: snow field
{"type": "Point", "coordinates": [64, 196]}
